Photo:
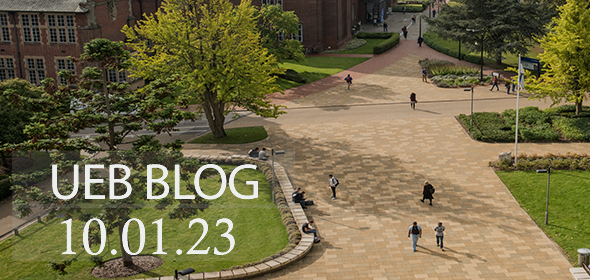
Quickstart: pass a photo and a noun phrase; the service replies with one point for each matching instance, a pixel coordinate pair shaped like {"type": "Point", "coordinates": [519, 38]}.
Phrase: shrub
{"type": "Point", "coordinates": [533, 162]}
{"type": "Point", "coordinates": [575, 129]}
{"type": "Point", "coordinates": [387, 44]}
{"type": "Point", "coordinates": [410, 8]}
{"type": "Point", "coordinates": [375, 35]}
{"type": "Point", "coordinates": [453, 70]}
{"type": "Point", "coordinates": [429, 63]}
{"type": "Point", "coordinates": [293, 75]}
{"type": "Point", "coordinates": [454, 80]}
{"type": "Point", "coordinates": [530, 115]}
{"type": "Point", "coordinates": [5, 191]}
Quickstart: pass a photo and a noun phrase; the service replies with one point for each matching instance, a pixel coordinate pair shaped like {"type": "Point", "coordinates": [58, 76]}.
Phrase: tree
{"type": "Point", "coordinates": [505, 26]}
{"type": "Point", "coordinates": [14, 116]}
{"type": "Point", "coordinates": [276, 28]}
{"type": "Point", "coordinates": [113, 112]}
{"type": "Point", "coordinates": [216, 49]}
{"type": "Point", "coordinates": [567, 64]}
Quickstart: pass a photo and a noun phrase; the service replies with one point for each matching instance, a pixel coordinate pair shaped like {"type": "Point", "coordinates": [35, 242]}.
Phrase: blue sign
{"type": "Point", "coordinates": [530, 64]}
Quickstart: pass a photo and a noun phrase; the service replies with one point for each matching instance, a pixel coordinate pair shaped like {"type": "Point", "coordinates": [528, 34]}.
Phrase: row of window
{"type": "Point", "coordinates": [36, 70]}
{"type": "Point", "coordinates": [61, 28]}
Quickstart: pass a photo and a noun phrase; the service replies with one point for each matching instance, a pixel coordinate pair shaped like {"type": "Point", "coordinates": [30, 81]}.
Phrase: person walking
{"type": "Point", "coordinates": [348, 80]}
{"type": "Point", "coordinates": [427, 192]}
{"type": "Point", "coordinates": [495, 83]}
{"type": "Point", "coordinates": [424, 74]}
{"type": "Point", "coordinates": [375, 22]}
{"type": "Point", "coordinates": [439, 233]}
{"type": "Point", "coordinates": [415, 231]}
{"type": "Point", "coordinates": [413, 101]}
{"type": "Point", "coordinates": [420, 40]}
{"type": "Point", "coordinates": [433, 13]}
{"type": "Point", "coordinates": [333, 184]}
{"type": "Point", "coordinates": [384, 26]}
{"type": "Point", "coordinates": [404, 10]}
{"type": "Point", "coordinates": [405, 31]}
{"type": "Point", "coordinates": [507, 85]}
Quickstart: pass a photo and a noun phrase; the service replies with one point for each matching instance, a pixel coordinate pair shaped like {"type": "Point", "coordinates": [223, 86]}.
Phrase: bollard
{"type": "Point", "coordinates": [39, 218]}
{"type": "Point", "coordinates": [583, 256]}
{"type": "Point", "coordinates": [15, 231]}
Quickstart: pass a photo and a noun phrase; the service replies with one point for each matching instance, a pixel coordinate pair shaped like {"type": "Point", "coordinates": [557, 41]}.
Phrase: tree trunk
{"type": "Point", "coordinates": [127, 261]}
{"type": "Point", "coordinates": [578, 107]}
{"type": "Point", "coordinates": [499, 60]}
{"type": "Point", "coordinates": [214, 113]}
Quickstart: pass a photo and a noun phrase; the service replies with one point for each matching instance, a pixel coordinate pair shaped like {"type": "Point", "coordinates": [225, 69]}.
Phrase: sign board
{"type": "Point", "coordinates": [495, 74]}
{"type": "Point", "coordinates": [530, 64]}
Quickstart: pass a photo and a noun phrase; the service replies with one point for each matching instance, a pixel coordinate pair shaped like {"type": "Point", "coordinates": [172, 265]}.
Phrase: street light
{"type": "Point", "coordinates": [481, 58]}
{"type": "Point", "coordinates": [273, 171]}
{"type": "Point", "coordinates": [471, 89]}
{"type": "Point", "coordinates": [548, 171]}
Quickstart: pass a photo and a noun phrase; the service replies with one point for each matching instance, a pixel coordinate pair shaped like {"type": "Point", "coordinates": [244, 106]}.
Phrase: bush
{"type": "Point", "coordinates": [430, 63]}
{"type": "Point", "coordinates": [461, 81]}
{"type": "Point", "coordinates": [387, 44]}
{"type": "Point", "coordinates": [294, 76]}
{"type": "Point", "coordinates": [376, 35]}
{"type": "Point", "coordinates": [453, 70]}
{"type": "Point", "coordinates": [410, 8]}
{"type": "Point", "coordinates": [533, 162]}
{"type": "Point", "coordinates": [575, 129]}
{"type": "Point", "coordinates": [5, 191]}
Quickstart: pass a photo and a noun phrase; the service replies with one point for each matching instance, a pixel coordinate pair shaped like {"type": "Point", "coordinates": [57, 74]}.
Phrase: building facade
{"type": "Point", "coordinates": [37, 36]}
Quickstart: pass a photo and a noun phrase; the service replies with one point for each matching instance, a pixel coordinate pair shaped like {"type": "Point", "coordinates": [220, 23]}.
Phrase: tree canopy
{"type": "Point", "coordinates": [567, 63]}
{"type": "Point", "coordinates": [276, 29]}
{"type": "Point", "coordinates": [506, 26]}
{"type": "Point", "coordinates": [215, 47]}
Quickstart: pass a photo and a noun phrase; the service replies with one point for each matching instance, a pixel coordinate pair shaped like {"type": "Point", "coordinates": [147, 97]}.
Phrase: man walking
{"type": "Point", "coordinates": [413, 101]}
{"type": "Point", "coordinates": [424, 75]}
{"type": "Point", "coordinates": [384, 26]}
{"type": "Point", "coordinates": [420, 40]}
{"type": "Point", "coordinates": [439, 235]}
{"type": "Point", "coordinates": [333, 184]}
{"type": "Point", "coordinates": [415, 231]}
{"type": "Point", "coordinates": [405, 31]}
{"type": "Point", "coordinates": [427, 192]}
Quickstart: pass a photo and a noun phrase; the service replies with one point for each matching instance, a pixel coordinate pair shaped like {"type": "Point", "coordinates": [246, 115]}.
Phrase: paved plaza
{"type": "Point", "coordinates": [382, 151]}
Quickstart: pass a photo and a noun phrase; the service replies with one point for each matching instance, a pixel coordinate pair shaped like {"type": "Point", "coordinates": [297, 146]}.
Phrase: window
{"type": "Point", "coordinates": [64, 64]}
{"type": "Point", "coordinates": [30, 25]}
{"type": "Point", "coordinates": [116, 76]}
{"type": "Point", "coordinates": [299, 36]}
{"type": "Point", "coordinates": [5, 30]}
{"type": "Point", "coordinates": [272, 2]}
{"type": "Point", "coordinates": [6, 69]}
{"type": "Point", "coordinates": [61, 29]}
{"type": "Point", "coordinates": [36, 71]}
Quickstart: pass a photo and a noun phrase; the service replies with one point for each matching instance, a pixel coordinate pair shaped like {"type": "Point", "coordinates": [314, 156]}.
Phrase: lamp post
{"type": "Point", "coordinates": [481, 58]}
{"type": "Point", "coordinates": [273, 171]}
{"type": "Point", "coordinates": [471, 89]}
{"type": "Point", "coordinates": [548, 171]}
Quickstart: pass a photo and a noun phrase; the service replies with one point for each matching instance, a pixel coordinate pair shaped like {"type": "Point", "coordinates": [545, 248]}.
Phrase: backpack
{"type": "Point", "coordinates": [337, 183]}
{"type": "Point", "coordinates": [415, 230]}
{"type": "Point", "coordinates": [431, 190]}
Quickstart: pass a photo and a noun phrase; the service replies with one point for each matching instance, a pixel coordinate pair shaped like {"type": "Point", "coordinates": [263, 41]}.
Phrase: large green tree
{"type": "Point", "coordinates": [566, 57]}
{"type": "Point", "coordinates": [15, 116]}
{"type": "Point", "coordinates": [113, 111]}
{"type": "Point", "coordinates": [216, 48]}
{"type": "Point", "coordinates": [505, 26]}
{"type": "Point", "coordinates": [277, 28]}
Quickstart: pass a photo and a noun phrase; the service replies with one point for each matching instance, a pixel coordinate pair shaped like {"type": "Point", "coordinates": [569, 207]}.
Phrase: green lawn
{"type": "Point", "coordinates": [568, 207]}
{"type": "Point", "coordinates": [257, 229]}
{"type": "Point", "coordinates": [316, 68]}
{"type": "Point", "coordinates": [238, 135]}
{"type": "Point", "coordinates": [509, 59]}
{"type": "Point", "coordinates": [366, 49]}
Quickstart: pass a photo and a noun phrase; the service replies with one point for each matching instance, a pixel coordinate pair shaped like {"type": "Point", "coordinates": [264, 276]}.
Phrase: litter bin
{"type": "Point", "coordinates": [583, 256]}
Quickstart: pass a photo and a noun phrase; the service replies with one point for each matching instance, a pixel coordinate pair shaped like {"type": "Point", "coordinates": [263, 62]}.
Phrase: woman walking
{"type": "Point", "coordinates": [427, 192]}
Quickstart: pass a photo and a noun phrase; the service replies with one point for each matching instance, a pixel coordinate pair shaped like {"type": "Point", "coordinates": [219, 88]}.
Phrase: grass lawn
{"type": "Point", "coordinates": [509, 59]}
{"type": "Point", "coordinates": [316, 68]}
{"type": "Point", "coordinates": [238, 135]}
{"type": "Point", "coordinates": [257, 229]}
{"type": "Point", "coordinates": [366, 49]}
{"type": "Point", "coordinates": [568, 206]}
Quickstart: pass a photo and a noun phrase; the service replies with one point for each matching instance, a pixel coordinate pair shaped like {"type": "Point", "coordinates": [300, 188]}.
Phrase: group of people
{"type": "Point", "coordinates": [508, 85]}
{"type": "Point", "coordinates": [415, 232]}
{"type": "Point", "coordinates": [257, 153]}
{"type": "Point", "coordinates": [298, 196]}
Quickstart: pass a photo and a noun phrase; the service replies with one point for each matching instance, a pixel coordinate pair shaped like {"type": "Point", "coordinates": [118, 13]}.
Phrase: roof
{"type": "Point", "coordinates": [48, 6]}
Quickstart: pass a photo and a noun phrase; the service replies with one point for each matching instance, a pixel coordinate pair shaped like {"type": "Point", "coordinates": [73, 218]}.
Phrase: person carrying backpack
{"type": "Point", "coordinates": [348, 80]}
{"type": "Point", "coordinates": [333, 184]}
{"type": "Point", "coordinates": [415, 231]}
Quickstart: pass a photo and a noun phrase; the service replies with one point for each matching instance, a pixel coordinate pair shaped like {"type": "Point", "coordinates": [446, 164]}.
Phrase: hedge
{"type": "Point", "coordinates": [534, 162]}
{"type": "Point", "coordinates": [429, 41]}
{"type": "Point", "coordinates": [387, 44]}
{"type": "Point", "coordinates": [375, 35]}
{"type": "Point", "coordinates": [5, 191]}
{"type": "Point", "coordinates": [410, 8]}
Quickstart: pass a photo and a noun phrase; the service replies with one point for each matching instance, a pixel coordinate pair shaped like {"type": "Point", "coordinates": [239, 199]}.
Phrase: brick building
{"type": "Point", "coordinates": [37, 36]}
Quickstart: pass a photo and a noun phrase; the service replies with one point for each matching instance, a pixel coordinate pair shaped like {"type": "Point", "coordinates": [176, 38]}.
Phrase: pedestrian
{"type": "Point", "coordinates": [384, 26]}
{"type": "Point", "coordinates": [439, 235]}
{"type": "Point", "coordinates": [375, 22]}
{"type": "Point", "coordinates": [495, 83]}
{"type": "Point", "coordinates": [507, 85]}
{"type": "Point", "coordinates": [513, 86]}
{"type": "Point", "coordinates": [298, 197]}
{"type": "Point", "coordinates": [404, 10]}
{"type": "Point", "coordinates": [308, 229]}
{"type": "Point", "coordinates": [348, 80]}
{"type": "Point", "coordinates": [414, 19]}
{"type": "Point", "coordinates": [427, 192]}
{"type": "Point", "coordinates": [413, 101]}
{"type": "Point", "coordinates": [420, 40]}
{"type": "Point", "coordinates": [424, 75]}
{"type": "Point", "coordinates": [433, 13]}
{"type": "Point", "coordinates": [405, 31]}
{"type": "Point", "coordinates": [415, 231]}
{"type": "Point", "coordinates": [333, 184]}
